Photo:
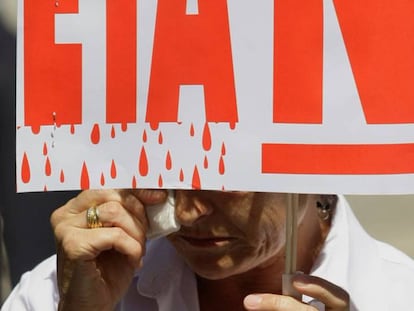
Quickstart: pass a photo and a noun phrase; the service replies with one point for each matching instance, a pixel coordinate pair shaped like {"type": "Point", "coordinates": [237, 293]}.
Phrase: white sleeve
{"type": "Point", "coordinates": [37, 289]}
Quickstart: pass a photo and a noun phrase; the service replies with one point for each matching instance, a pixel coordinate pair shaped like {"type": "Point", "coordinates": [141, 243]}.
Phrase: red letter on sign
{"type": "Point", "coordinates": [379, 40]}
{"type": "Point", "coordinates": [121, 78]}
{"type": "Point", "coordinates": [378, 37]}
{"type": "Point", "coordinates": [52, 72]}
{"type": "Point", "coordinates": [298, 57]}
{"type": "Point", "coordinates": [192, 49]}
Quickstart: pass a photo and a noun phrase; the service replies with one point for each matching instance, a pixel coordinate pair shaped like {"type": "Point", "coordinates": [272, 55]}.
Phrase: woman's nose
{"type": "Point", "coordinates": [191, 206]}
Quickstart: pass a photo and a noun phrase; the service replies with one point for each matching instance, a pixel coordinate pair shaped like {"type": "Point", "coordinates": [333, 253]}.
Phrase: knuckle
{"type": "Point", "coordinates": [111, 210]}
{"type": "Point", "coordinates": [118, 233]}
{"type": "Point", "coordinates": [58, 230]}
{"type": "Point", "coordinates": [70, 245]}
{"type": "Point", "coordinates": [55, 217]}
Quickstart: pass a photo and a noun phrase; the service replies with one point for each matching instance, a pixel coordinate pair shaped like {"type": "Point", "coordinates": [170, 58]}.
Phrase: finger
{"type": "Point", "coordinates": [84, 245]}
{"type": "Point", "coordinates": [113, 214]}
{"type": "Point", "coordinates": [150, 196]}
{"type": "Point", "coordinates": [94, 198]}
{"type": "Point", "coordinates": [270, 302]}
{"type": "Point", "coordinates": [333, 296]}
{"type": "Point", "coordinates": [90, 198]}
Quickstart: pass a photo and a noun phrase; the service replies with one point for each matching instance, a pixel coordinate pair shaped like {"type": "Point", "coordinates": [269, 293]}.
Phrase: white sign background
{"type": "Point", "coordinates": [56, 156]}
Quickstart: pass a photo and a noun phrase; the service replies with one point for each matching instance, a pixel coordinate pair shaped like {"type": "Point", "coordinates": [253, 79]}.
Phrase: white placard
{"type": "Point", "coordinates": [290, 96]}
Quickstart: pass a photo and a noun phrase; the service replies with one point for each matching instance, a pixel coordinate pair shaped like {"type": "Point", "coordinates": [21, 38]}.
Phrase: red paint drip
{"type": "Point", "coordinates": [113, 169]}
{"type": "Point", "coordinates": [205, 162]}
{"type": "Point", "coordinates": [102, 179]}
{"type": "Point", "coordinates": [232, 125]}
{"type": "Point", "coordinates": [196, 184]}
{"type": "Point", "coordinates": [160, 138]}
{"type": "Point", "coordinates": [25, 174]}
{"type": "Point", "coordinates": [160, 181]}
{"type": "Point", "coordinates": [84, 181]}
{"type": "Point", "coordinates": [223, 149]}
{"type": "Point", "coordinates": [143, 163]}
{"type": "Point", "coordinates": [181, 175]}
{"type": "Point", "coordinates": [168, 161]}
{"type": "Point", "coordinates": [48, 167]}
{"type": "Point", "coordinates": [72, 129]}
{"type": "Point", "coordinates": [192, 130]}
{"type": "Point", "coordinates": [221, 166]}
{"type": "Point", "coordinates": [45, 188]}
{"type": "Point", "coordinates": [113, 132]}
{"type": "Point", "coordinates": [124, 127]}
{"type": "Point", "coordinates": [206, 137]}
{"type": "Point", "coordinates": [144, 136]}
{"type": "Point", "coordinates": [154, 126]}
{"type": "Point", "coordinates": [95, 134]}
{"type": "Point", "coordinates": [44, 149]}
{"type": "Point", "coordinates": [134, 182]}
{"type": "Point", "coordinates": [62, 176]}
{"type": "Point", "coordinates": [35, 129]}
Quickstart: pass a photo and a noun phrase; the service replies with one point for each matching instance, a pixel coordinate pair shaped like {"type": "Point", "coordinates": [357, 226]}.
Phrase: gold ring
{"type": "Point", "coordinates": [92, 218]}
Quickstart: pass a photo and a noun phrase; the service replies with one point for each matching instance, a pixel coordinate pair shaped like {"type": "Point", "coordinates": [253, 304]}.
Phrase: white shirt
{"type": "Point", "coordinates": [377, 276]}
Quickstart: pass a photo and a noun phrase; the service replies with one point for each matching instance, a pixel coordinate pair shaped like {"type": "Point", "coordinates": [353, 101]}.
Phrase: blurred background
{"type": "Point", "coordinates": [27, 234]}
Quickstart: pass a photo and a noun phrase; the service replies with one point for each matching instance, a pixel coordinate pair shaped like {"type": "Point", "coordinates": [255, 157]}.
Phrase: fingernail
{"type": "Point", "coordinates": [253, 301]}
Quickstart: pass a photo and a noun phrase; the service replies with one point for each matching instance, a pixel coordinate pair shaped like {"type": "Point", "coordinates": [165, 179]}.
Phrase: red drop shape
{"type": "Point", "coordinates": [124, 127]}
{"type": "Point", "coordinates": [72, 129]}
{"type": "Point", "coordinates": [113, 131]}
{"type": "Point", "coordinates": [134, 182]}
{"type": "Point", "coordinates": [25, 174]}
{"type": "Point", "coordinates": [143, 163]}
{"type": "Point", "coordinates": [160, 138]}
{"type": "Point", "coordinates": [206, 137]}
{"type": "Point", "coordinates": [35, 129]}
{"type": "Point", "coordinates": [168, 161]}
{"type": "Point", "coordinates": [192, 130]}
{"type": "Point", "coordinates": [205, 162]}
{"type": "Point", "coordinates": [62, 176]}
{"type": "Point", "coordinates": [113, 169]}
{"type": "Point", "coordinates": [44, 149]}
{"type": "Point", "coordinates": [102, 179]}
{"type": "Point", "coordinates": [95, 134]}
{"type": "Point", "coordinates": [84, 181]}
{"type": "Point", "coordinates": [48, 167]}
{"type": "Point", "coordinates": [223, 149]}
{"type": "Point", "coordinates": [181, 175]}
{"type": "Point", "coordinates": [144, 136]}
{"type": "Point", "coordinates": [160, 181]}
{"type": "Point", "coordinates": [196, 184]}
{"type": "Point", "coordinates": [154, 125]}
{"type": "Point", "coordinates": [232, 125]}
{"type": "Point", "coordinates": [221, 166]}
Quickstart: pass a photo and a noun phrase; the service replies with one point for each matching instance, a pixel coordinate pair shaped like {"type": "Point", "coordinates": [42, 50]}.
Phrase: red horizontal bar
{"type": "Point", "coordinates": [355, 159]}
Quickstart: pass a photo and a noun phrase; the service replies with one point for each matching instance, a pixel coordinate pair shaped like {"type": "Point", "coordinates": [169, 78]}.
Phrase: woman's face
{"type": "Point", "coordinates": [227, 233]}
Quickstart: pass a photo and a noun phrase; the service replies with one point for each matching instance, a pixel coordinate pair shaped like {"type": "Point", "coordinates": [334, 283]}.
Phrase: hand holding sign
{"type": "Point", "coordinates": [96, 265]}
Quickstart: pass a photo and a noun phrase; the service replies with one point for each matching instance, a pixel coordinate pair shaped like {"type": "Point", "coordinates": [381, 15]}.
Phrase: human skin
{"type": "Point", "coordinates": [233, 241]}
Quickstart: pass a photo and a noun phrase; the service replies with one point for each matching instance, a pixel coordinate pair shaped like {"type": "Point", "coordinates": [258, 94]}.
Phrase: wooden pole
{"type": "Point", "coordinates": [291, 244]}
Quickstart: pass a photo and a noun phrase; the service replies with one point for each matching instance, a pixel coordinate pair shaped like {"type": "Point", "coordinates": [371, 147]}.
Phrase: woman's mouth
{"type": "Point", "coordinates": [205, 242]}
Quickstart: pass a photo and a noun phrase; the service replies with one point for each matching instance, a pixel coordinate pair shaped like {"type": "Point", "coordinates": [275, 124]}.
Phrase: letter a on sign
{"type": "Point", "coordinates": [192, 49]}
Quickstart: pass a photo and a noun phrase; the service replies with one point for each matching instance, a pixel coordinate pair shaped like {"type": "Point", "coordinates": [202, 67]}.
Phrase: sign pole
{"type": "Point", "coordinates": [291, 245]}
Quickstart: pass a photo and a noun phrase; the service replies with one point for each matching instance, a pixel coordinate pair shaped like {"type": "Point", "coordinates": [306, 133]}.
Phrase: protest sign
{"type": "Point", "coordinates": [296, 96]}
